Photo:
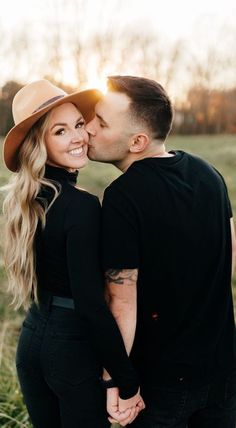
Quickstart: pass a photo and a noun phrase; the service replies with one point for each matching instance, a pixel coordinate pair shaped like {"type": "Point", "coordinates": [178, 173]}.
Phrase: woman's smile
{"type": "Point", "coordinates": [77, 152]}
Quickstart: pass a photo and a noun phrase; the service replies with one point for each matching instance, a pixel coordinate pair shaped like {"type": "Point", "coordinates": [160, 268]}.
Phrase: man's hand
{"type": "Point", "coordinates": [123, 411]}
{"type": "Point", "coordinates": [134, 401]}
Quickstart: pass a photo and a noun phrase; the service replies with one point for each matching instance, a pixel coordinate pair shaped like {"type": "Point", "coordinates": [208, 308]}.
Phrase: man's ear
{"type": "Point", "coordinates": [138, 143]}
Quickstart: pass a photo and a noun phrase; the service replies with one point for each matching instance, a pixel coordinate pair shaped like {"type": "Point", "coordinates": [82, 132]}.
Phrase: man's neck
{"type": "Point", "coordinates": [159, 151]}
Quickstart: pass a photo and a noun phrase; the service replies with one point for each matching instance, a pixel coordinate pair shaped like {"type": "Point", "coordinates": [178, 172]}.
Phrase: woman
{"type": "Point", "coordinates": [52, 259]}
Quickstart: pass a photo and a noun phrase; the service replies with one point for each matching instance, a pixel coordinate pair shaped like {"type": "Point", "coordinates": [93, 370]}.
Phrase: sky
{"type": "Point", "coordinates": [174, 18]}
{"type": "Point", "coordinates": [196, 21]}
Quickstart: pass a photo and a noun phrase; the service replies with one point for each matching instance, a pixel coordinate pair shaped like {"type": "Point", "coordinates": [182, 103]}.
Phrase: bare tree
{"type": "Point", "coordinates": [174, 57]}
{"type": "Point", "coordinates": [18, 53]}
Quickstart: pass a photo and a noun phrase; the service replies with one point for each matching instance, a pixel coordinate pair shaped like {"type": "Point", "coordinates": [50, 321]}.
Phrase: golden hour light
{"type": "Point", "coordinates": [188, 48]}
{"type": "Point", "coordinates": [181, 44]}
{"type": "Point", "coordinates": [117, 213]}
{"type": "Point", "coordinates": [97, 83]}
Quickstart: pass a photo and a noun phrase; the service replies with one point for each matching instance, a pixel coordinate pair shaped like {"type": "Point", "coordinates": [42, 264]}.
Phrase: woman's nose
{"type": "Point", "coordinates": [79, 135]}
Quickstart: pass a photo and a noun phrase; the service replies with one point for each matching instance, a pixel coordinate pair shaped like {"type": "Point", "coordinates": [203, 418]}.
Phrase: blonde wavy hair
{"type": "Point", "coordinates": [23, 211]}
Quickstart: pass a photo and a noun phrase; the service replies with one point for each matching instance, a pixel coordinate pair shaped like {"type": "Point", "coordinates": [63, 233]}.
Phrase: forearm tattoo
{"type": "Point", "coordinates": [121, 276]}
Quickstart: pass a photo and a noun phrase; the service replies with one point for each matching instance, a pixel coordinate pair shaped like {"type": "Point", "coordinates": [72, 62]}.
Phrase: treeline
{"type": "Point", "coordinates": [202, 112]}
{"type": "Point", "coordinates": [207, 112]}
{"type": "Point", "coordinates": [197, 72]}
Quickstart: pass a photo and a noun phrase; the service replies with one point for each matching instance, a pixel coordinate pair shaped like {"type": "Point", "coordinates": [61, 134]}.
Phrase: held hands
{"type": "Point", "coordinates": [123, 411]}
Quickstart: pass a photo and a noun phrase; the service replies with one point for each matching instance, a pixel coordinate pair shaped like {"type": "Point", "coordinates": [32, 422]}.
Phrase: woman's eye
{"type": "Point", "coordinates": [80, 124]}
{"type": "Point", "coordinates": [60, 131]}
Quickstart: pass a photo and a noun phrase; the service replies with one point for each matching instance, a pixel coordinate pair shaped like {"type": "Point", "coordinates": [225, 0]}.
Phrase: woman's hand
{"type": "Point", "coordinates": [123, 411]}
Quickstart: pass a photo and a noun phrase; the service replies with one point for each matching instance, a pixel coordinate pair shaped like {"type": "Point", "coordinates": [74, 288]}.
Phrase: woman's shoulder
{"type": "Point", "coordinates": [83, 209]}
{"type": "Point", "coordinates": [78, 195]}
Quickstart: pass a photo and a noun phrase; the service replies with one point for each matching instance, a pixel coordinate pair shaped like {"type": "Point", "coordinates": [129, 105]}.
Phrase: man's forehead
{"type": "Point", "coordinates": [114, 101]}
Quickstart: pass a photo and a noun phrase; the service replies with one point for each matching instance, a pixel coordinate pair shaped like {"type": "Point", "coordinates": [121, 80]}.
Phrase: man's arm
{"type": "Point", "coordinates": [121, 290]}
{"type": "Point", "coordinates": [121, 293]}
{"type": "Point", "coordinates": [233, 239]}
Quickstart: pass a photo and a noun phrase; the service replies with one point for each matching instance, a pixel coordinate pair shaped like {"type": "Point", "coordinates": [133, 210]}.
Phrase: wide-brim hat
{"type": "Point", "coordinates": [31, 103]}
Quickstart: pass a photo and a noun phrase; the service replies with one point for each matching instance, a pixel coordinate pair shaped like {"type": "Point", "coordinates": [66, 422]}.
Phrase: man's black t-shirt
{"type": "Point", "coordinates": [170, 218]}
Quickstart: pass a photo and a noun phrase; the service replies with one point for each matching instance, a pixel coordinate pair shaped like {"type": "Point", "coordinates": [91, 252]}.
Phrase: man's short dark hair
{"type": "Point", "coordinates": [149, 105]}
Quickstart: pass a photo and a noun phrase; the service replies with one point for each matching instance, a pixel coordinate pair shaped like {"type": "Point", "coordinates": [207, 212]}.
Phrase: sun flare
{"type": "Point", "coordinates": [97, 82]}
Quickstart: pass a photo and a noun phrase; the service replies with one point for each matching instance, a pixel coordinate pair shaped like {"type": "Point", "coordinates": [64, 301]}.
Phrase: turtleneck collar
{"type": "Point", "coordinates": [61, 174]}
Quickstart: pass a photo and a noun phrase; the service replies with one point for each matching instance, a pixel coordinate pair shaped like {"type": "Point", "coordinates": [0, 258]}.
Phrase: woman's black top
{"type": "Point", "coordinates": [68, 265]}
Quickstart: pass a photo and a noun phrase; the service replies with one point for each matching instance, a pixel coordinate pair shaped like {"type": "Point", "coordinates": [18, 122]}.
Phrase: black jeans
{"type": "Point", "coordinates": [185, 406]}
{"type": "Point", "coordinates": [58, 372]}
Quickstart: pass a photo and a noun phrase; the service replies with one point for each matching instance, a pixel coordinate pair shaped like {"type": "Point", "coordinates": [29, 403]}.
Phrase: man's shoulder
{"type": "Point", "coordinates": [126, 184]}
{"type": "Point", "coordinates": [204, 165]}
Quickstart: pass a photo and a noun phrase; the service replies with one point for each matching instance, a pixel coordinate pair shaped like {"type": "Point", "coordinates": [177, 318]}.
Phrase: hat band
{"type": "Point", "coordinates": [48, 102]}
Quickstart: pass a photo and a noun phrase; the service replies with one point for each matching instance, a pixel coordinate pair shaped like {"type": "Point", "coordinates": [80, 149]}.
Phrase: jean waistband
{"type": "Point", "coordinates": [63, 302]}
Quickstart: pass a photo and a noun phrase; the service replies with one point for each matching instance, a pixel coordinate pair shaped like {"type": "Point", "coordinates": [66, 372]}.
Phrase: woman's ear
{"type": "Point", "coordinates": [138, 143]}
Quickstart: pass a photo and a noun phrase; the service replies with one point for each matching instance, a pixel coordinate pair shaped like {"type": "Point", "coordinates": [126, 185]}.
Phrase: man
{"type": "Point", "coordinates": [168, 251]}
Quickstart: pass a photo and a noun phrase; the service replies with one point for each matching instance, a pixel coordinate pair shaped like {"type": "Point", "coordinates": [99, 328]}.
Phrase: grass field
{"type": "Point", "coordinates": [220, 151]}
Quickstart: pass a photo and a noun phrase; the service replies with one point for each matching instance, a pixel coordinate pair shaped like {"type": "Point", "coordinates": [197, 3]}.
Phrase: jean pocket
{"type": "Point", "coordinates": [72, 360]}
{"type": "Point", "coordinates": [23, 351]}
{"type": "Point", "coordinates": [29, 325]}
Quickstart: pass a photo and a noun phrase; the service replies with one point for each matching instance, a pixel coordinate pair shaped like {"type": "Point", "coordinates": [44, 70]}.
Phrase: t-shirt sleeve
{"type": "Point", "coordinates": [120, 231]}
{"type": "Point", "coordinates": [83, 225]}
{"type": "Point", "coordinates": [227, 195]}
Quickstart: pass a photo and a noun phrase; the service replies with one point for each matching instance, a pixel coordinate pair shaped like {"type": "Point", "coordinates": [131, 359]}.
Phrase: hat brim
{"type": "Point", "coordinates": [85, 102]}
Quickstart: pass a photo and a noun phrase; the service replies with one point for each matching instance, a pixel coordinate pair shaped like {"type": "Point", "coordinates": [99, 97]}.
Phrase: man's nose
{"type": "Point", "coordinates": [90, 128]}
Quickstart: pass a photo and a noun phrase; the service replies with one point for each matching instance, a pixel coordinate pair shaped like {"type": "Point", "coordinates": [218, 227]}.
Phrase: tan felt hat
{"type": "Point", "coordinates": [32, 102]}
